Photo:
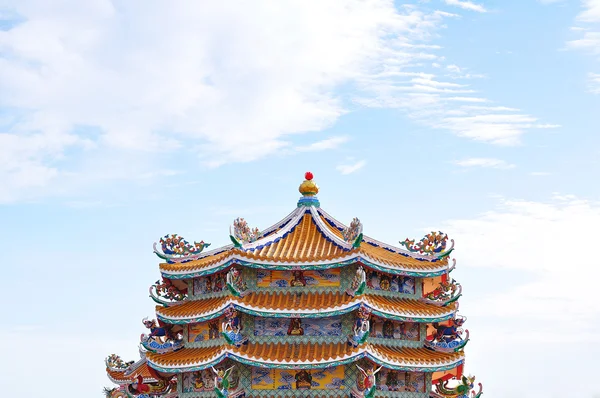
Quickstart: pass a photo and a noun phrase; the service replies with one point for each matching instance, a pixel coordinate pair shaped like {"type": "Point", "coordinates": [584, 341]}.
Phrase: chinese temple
{"type": "Point", "coordinates": [308, 307]}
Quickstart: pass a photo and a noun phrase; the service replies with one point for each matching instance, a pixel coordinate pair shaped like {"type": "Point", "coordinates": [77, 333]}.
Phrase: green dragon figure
{"type": "Point", "coordinates": [462, 390]}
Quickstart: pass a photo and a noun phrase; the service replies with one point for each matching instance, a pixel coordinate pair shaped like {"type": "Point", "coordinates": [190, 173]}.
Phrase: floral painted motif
{"type": "Point", "coordinates": [433, 243]}
{"type": "Point", "coordinates": [241, 232]}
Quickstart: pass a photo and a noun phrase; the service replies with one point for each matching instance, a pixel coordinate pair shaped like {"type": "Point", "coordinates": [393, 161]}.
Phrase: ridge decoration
{"type": "Point", "coordinates": [447, 292]}
{"type": "Point", "coordinates": [240, 233]}
{"type": "Point", "coordinates": [161, 338]}
{"type": "Point", "coordinates": [462, 390]}
{"type": "Point", "coordinates": [166, 293]}
{"type": "Point", "coordinates": [353, 233]}
{"type": "Point", "coordinates": [359, 282]}
{"type": "Point", "coordinates": [448, 338]}
{"type": "Point", "coordinates": [114, 362]}
{"type": "Point", "coordinates": [176, 249]}
{"type": "Point", "coordinates": [432, 244]}
{"type": "Point", "coordinates": [235, 283]}
{"type": "Point", "coordinates": [232, 328]}
{"type": "Point", "coordinates": [361, 328]}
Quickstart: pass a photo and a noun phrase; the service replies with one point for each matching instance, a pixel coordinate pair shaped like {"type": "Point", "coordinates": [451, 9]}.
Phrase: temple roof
{"type": "Point", "coordinates": [307, 238]}
{"type": "Point", "coordinates": [305, 356]}
{"type": "Point", "coordinates": [305, 305]}
{"type": "Point", "coordinates": [130, 374]}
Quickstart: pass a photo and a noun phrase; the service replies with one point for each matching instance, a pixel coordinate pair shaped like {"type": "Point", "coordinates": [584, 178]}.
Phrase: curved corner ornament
{"type": "Point", "coordinates": [465, 388]}
{"type": "Point", "coordinates": [235, 283]}
{"type": "Point", "coordinates": [240, 233]}
{"type": "Point", "coordinates": [143, 390]}
{"type": "Point", "coordinates": [361, 327]}
{"type": "Point", "coordinates": [448, 338]}
{"type": "Point", "coordinates": [175, 249]}
{"type": "Point", "coordinates": [166, 294]}
{"type": "Point", "coordinates": [353, 233]}
{"type": "Point", "coordinates": [161, 339]}
{"type": "Point", "coordinates": [446, 293]}
{"type": "Point", "coordinates": [432, 244]}
{"type": "Point", "coordinates": [115, 363]}
{"type": "Point", "coordinates": [232, 328]}
{"type": "Point", "coordinates": [358, 283]}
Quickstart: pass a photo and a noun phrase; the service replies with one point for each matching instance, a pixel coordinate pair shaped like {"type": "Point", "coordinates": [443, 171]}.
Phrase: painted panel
{"type": "Point", "coordinates": [391, 380]}
{"type": "Point", "coordinates": [331, 326]}
{"type": "Point", "coordinates": [393, 283]}
{"type": "Point", "coordinates": [384, 328]}
{"type": "Point", "coordinates": [204, 331]}
{"type": "Point", "coordinates": [282, 379]}
{"type": "Point", "coordinates": [204, 380]}
{"type": "Point", "coordinates": [324, 278]}
{"type": "Point", "coordinates": [210, 283]}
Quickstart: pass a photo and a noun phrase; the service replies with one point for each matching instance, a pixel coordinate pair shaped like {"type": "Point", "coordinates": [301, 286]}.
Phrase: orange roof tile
{"type": "Point", "coordinates": [119, 377]}
{"type": "Point", "coordinates": [384, 256]}
{"type": "Point", "coordinates": [291, 354]}
{"type": "Point", "coordinates": [302, 304]}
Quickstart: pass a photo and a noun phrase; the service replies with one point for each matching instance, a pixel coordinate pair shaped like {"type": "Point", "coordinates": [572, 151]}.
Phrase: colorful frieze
{"type": "Point", "coordinates": [297, 278]}
{"type": "Point", "coordinates": [284, 379]}
{"type": "Point", "coordinates": [392, 283]}
{"type": "Point", "coordinates": [388, 329]}
{"type": "Point", "coordinates": [331, 326]}
{"type": "Point", "coordinates": [210, 284]}
{"type": "Point", "coordinates": [204, 331]}
{"type": "Point", "coordinates": [204, 380]}
{"type": "Point", "coordinates": [391, 380]}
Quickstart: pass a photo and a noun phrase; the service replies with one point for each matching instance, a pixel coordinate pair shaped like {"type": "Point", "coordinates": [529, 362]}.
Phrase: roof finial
{"type": "Point", "coordinates": [309, 190]}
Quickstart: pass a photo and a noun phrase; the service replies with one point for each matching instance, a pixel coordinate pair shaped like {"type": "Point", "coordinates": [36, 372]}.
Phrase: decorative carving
{"type": "Point", "coordinates": [232, 328]}
{"type": "Point", "coordinates": [367, 384]}
{"type": "Point", "coordinates": [447, 292]}
{"type": "Point", "coordinates": [465, 388]}
{"type": "Point", "coordinates": [433, 244]}
{"type": "Point", "coordinates": [448, 338]}
{"type": "Point", "coordinates": [235, 283]}
{"type": "Point", "coordinates": [295, 328]}
{"type": "Point", "coordinates": [361, 327]}
{"type": "Point", "coordinates": [159, 387]}
{"type": "Point", "coordinates": [353, 233]}
{"type": "Point", "coordinates": [298, 278]}
{"type": "Point", "coordinates": [303, 380]}
{"type": "Point", "coordinates": [358, 283]}
{"type": "Point", "coordinates": [166, 293]}
{"type": "Point", "coordinates": [114, 362]}
{"type": "Point", "coordinates": [176, 249]}
{"type": "Point", "coordinates": [240, 233]}
{"type": "Point", "coordinates": [161, 339]}
{"type": "Point", "coordinates": [222, 382]}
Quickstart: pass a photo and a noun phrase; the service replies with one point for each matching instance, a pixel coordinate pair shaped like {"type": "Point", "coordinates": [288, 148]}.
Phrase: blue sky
{"type": "Point", "coordinates": [123, 121]}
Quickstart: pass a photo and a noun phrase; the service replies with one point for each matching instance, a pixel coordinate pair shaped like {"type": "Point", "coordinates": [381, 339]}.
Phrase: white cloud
{"type": "Point", "coordinates": [329, 143]}
{"type": "Point", "coordinates": [351, 168]}
{"type": "Point", "coordinates": [550, 248]}
{"type": "Point", "coordinates": [539, 173]}
{"type": "Point", "coordinates": [591, 11]}
{"type": "Point", "coordinates": [594, 79]}
{"type": "Point", "coordinates": [232, 83]}
{"type": "Point", "coordinates": [589, 42]}
{"type": "Point", "coordinates": [485, 162]}
{"type": "Point", "coordinates": [467, 5]}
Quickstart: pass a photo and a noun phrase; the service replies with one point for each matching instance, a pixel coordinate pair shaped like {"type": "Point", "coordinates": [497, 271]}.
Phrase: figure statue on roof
{"type": "Point", "coordinates": [432, 244]}
{"type": "Point", "coordinates": [235, 283]}
{"type": "Point", "coordinates": [232, 328]}
{"type": "Point", "coordinates": [450, 332]}
{"type": "Point", "coordinates": [368, 381]}
{"type": "Point", "coordinates": [358, 283]}
{"type": "Point", "coordinates": [222, 381]}
{"type": "Point", "coordinates": [240, 233]}
{"type": "Point", "coordinates": [353, 233]}
{"type": "Point", "coordinates": [361, 327]}
{"type": "Point", "coordinates": [176, 247]}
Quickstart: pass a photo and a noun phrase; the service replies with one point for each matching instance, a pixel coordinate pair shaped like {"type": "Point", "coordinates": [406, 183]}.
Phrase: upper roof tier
{"type": "Point", "coordinates": [308, 238]}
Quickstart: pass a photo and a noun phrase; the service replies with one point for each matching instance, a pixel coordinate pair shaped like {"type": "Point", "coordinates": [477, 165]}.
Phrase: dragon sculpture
{"type": "Point", "coordinates": [114, 362]}
{"type": "Point", "coordinates": [447, 292]}
{"type": "Point", "coordinates": [241, 233]}
{"type": "Point", "coordinates": [175, 248]}
{"type": "Point", "coordinates": [166, 293]}
{"type": "Point", "coordinates": [433, 244]}
{"type": "Point", "coordinates": [466, 387]}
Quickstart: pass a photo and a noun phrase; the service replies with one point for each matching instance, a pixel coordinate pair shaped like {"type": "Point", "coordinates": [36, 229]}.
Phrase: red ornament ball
{"type": "Point", "coordinates": [308, 175]}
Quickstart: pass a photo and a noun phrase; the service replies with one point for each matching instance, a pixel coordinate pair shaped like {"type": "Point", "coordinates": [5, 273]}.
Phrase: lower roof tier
{"type": "Point", "coordinates": [131, 373]}
{"type": "Point", "coordinates": [305, 356]}
{"type": "Point", "coordinates": [305, 305]}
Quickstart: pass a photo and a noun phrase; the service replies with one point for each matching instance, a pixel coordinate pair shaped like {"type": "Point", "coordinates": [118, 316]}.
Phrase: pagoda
{"type": "Point", "coordinates": [308, 307]}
